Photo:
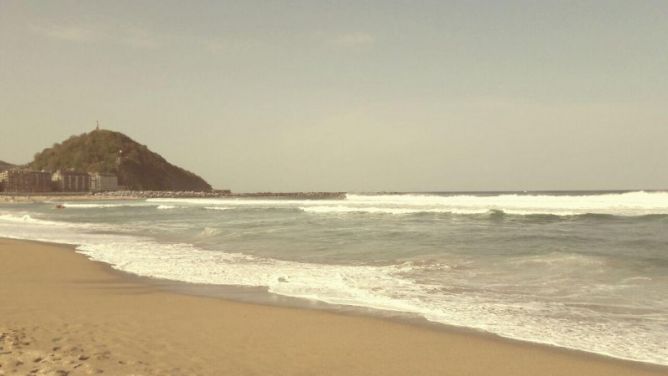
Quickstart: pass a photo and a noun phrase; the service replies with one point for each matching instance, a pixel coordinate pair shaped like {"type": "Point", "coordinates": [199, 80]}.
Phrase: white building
{"type": "Point", "coordinates": [100, 182]}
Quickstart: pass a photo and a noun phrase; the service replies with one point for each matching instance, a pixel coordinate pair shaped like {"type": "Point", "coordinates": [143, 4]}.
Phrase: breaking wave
{"type": "Point", "coordinates": [623, 204]}
{"type": "Point", "coordinates": [615, 204]}
{"type": "Point", "coordinates": [108, 205]}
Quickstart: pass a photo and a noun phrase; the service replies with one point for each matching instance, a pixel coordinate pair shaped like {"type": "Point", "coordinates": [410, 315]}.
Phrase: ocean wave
{"type": "Point", "coordinates": [254, 208]}
{"type": "Point", "coordinates": [538, 215]}
{"type": "Point", "coordinates": [28, 219]}
{"type": "Point", "coordinates": [616, 204]}
{"type": "Point", "coordinates": [106, 205]}
{"type": "Point", "coordinates": [388, 288]}
{"type": "Point", "coordinates": [372, 210]}
{"type": "Point", "coordinates": [629, 203]}
{"type": "Point", "coordinates": [233, 202]}
{"type": "Point", "coordinates": [558, 259]}
{"type": "Point", "coordinates": [209, 232]}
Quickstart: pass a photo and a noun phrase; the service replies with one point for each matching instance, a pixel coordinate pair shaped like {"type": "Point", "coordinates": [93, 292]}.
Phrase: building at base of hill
{"type": "Point", "coordinates": [71, 181]}
{"type": "Point", "coordinates": [103, 182]}
{"type": "Point", "coordinates": [23, 180]}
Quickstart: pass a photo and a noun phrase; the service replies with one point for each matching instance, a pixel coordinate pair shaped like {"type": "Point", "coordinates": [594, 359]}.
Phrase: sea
{"type": "Point", "coordinates": [579, 270]}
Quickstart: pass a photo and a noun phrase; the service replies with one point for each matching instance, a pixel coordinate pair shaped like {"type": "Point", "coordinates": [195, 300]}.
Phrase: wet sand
{"type": "Point", "coordinates": [62, 314]}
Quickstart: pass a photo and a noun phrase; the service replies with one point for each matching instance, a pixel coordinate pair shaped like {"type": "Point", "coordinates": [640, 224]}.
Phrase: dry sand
{"type": "Point", "coordinates": [61, 314]}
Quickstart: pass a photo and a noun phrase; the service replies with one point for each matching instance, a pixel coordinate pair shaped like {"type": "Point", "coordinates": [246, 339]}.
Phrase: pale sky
{"type": "Point", "coordinates": [351, 95]}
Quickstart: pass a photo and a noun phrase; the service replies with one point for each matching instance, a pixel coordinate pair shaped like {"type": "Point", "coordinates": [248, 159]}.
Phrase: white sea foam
{"type": "Point", "coordinates": [18, 218]}
{"type": "Point", "coordinates": [208, 232]}
{"type": "Point", "coordinates": [28, 219]}
{"type": "Point", "coordinates": [166, 207]}
{"type": "Point", "coordinates": [216, 208]}
{"type": "Point", "coordinates": [630, 203]}
{"type": "Point", "coordinates": [239, 201]}
{"type": "Point", "coordinates": [382, 210]}
{"type": "Point", "coordinates": [105, 205]}
{"type": "Point", "coordinates": [622, 204]}
{"type": "Point", "coordinates": [390, 288]}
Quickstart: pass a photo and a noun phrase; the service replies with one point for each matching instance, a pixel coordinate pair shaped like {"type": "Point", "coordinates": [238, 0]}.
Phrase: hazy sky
{"type": "Point", "coordinates": [350, 95]}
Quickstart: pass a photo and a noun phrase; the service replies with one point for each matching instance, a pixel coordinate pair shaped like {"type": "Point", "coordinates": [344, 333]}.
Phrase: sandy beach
{"type": "Point", "coordinates": [62, 314]}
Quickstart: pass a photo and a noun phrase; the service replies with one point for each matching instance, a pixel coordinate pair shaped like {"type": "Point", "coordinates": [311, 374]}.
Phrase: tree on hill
{"type": "Point", "coordinates": [6, 166]}
{"type": "Point", "coordinates": [136, 166]}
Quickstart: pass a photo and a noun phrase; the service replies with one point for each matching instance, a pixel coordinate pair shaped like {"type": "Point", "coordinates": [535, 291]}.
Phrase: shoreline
{"type": "Point", "coordinates": [261, 297]}
{"type": "Point", "coordinates": [244, 295]}
{"type": "Point", "coordinates": [439, 337]}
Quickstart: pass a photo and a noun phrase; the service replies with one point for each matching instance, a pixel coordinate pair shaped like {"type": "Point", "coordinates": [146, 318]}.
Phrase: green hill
{"type": "Point", "coordinates": [136, 166]}
{"type": "Point", "coordinates": [5, 166]}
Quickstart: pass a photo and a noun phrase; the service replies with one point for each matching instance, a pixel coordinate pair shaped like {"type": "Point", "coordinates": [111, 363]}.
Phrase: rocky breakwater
{"type": "Point", "coordinates": [223, 194]}
{"type": "Point", "coordinates": [159, 194]}
{"type": "Point", "coordinates": [294, 195]}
